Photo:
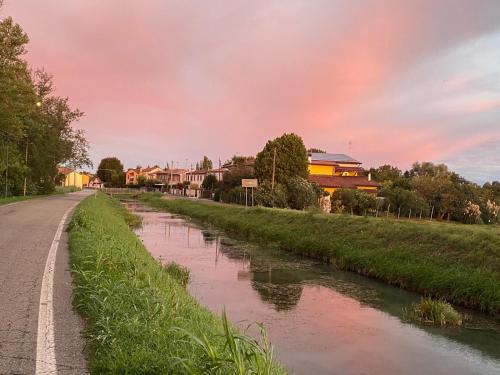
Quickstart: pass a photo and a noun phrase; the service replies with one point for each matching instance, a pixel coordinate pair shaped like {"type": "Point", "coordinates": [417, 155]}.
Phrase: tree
{"type": "Point", "coordinates": [110, 170]}
{"type": "Point", "coordinates": [316, 150]}
{"type": "Point", "coordinates": [290, 157]}
{"type": "Point", "coordinates": [206, 163]}
{"type": "Point", "coordinates": [267, 197]}
{"type": "Point", "coordinates": [300, 193]}
{"type": "Point", "coordinates": [209, 182]}
{"type": "Point", "coordinates": [36, 127]}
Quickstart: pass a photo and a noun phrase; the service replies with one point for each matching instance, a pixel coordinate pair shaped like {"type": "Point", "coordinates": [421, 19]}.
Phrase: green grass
{"type": "Point", "coordinates": [139, 317]}
{"type": "Point", "coordinates": [434, 312]}
{"type": "Point", "coordinates": [58, 190]}
{"type": "Point", "coordinates": [456, 263]}
{"type": "Point", "coordinates": [15, 199]}
{"type": "Point", "coordinates": [66, 189]}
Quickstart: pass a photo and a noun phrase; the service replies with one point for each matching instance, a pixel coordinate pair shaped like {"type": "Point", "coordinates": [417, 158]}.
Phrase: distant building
{"type": "Point", "coordinates": [196, 176]}
{"type": "Point", "coordinates": [339, 171]}
{"type": "Point", "coordinates": [71, 177]}
{"type": "Point", "coordinates": [171, 176]}
{"type": "Point", "coordinates": [132, 174]}
{"type": "Point", "coordinates": [96, 183]}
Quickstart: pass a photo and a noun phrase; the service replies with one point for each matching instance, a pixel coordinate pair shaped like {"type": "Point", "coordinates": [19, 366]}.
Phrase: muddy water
{"type": "Point", "coordinates": [320, 320]}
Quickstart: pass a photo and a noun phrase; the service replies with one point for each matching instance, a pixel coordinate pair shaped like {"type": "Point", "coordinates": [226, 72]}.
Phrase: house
{"type": "Point", "coordinates": [196, 177]}
{"type": "Point", "coordinates": [71, 177]}
{"type": "Point", "coordinates": [339, 171]}
{"type": "Point", "coordinates": [132, 174]}
{"type": "Point", "coordinates": [219, 172]}
{"type": "Point", "coordinates": [171, 176]}
{"type": "Point", "coordinates": [96, 183]}
{"type": "Point", "coordinates": [86, 177]}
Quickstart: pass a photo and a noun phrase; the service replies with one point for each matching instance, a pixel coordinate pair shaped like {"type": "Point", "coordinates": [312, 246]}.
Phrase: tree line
{"type": "Point", "coordinates": [427, 190]}
{"type": "Point", "coordinates": [36, 126]}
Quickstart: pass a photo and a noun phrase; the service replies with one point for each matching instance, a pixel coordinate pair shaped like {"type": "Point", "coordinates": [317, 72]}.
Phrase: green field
{"type": "Point", "coordinates": [139, 317]}
{"type": "Point", "coordinates": [455, 262]}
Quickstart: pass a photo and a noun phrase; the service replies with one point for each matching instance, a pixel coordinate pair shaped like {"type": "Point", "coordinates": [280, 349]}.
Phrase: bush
{"type": "Point", "coordinates": [355, 201]}
{"type": "Point", "coordinates": [265, 196]}
{"type": "Point", "coordinates": [300, 193]}
{"type": "Point", "coordinates": [430, 311]}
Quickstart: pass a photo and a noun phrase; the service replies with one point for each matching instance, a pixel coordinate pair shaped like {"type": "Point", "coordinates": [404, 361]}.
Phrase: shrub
{"type": "Point", "coordinates": [430, 311]}
{"type": "Point", "coordinates": [300, 193]}
{"type": "Point", "coordinates": [267, 197]}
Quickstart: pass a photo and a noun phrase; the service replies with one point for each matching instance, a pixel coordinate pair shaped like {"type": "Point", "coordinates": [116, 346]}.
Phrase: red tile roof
{"type": "Point", "coordinates": [64, 170]}
{"type": "Point", "coordinates": [348, 182]}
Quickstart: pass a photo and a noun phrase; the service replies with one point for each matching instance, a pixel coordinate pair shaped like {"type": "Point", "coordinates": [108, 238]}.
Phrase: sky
{"type": "Point", "coordinates": [384, 81]}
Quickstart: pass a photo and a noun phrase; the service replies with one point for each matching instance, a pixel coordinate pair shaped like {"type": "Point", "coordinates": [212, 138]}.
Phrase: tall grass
{"type": "Point", "coordinates": [456, 263]}
{"type": "Point", "coordinates": [429, 311]}
{"type": "Point", "coordinates": [139, 317]}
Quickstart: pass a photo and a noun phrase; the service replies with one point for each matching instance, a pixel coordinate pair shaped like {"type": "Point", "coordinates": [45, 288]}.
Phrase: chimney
{"type": "Point", "coordinates": [369, 176]}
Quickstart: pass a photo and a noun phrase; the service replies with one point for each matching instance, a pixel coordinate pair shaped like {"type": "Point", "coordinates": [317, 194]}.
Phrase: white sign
{"type": "Point", "coordinates": [249, 183]}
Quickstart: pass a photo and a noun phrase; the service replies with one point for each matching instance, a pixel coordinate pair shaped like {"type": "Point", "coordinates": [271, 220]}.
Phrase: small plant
{"type": "Point", "coordinates": [435, 312]}
{"type": "Point", "coordinates": [240, 354]}
{"type": "Point", "coordinates": [179, 273]}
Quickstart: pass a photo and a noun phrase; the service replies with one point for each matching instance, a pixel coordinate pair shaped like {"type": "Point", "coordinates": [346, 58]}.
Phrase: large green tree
{"type": "Point", "coordinates": [35, 125]}
{"type": "Point", "coordinates": [206, 163]}
{"type": "Point", "coordinates": [110, 171]}
{"type": "Point", "coordinates": [288, 154]}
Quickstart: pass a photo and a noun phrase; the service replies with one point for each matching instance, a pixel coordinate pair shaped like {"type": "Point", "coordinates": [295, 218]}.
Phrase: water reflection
{"type": "Point", "coordinates": [317, 316]}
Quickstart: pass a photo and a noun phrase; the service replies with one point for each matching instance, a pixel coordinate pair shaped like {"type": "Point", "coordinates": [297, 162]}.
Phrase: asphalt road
{"type": "Point", "coordinates": [27, 230]}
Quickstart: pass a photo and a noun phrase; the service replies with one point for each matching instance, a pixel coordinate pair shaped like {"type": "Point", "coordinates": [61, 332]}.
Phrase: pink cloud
{"type": "Point", "coordinates": [176, 80]}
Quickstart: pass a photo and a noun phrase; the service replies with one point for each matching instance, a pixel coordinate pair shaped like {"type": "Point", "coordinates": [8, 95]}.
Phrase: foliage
{"type": "Point", "coordinates": [267, 197]}
{"type": "Point", "coordinates": [137, 311]}
{"type": "Point", "coordinates": [33, 119]}
{"type": "Point", "coordinates": [300, 193]}
{"type": "Point", "coordinates": [451, 261]}
{"type": "Point", "coordinates": [209, 182]}
{"type": "Point", "coordinates": [111, 173]}
{"type": "Point", "coordinates": [430, 311]}
{"type": "Point", "coordinates": [355, 201]}
{"type": "Point", "coordinates": [205, 164]}
{"type": "Point", "coordinates": [291, 159]}
{"type": "Point", "coordinates": [404, 201]}
{"type": "Point", "coordinates": [472, 212]}
{"type": "Point", "coordinates": [316, 150]}
{"type": "Point", "coordinates": [246, 355]}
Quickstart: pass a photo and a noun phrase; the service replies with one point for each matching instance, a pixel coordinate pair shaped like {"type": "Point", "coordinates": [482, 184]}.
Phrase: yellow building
{"type": "Point", "coordinates": [71, 178]}
{"type": "Point", "coordinates": [85, 179]}
{"type": "Point", "coordinates": [338, 171]}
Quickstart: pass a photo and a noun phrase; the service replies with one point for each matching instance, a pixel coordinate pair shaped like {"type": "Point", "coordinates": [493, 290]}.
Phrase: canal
{"type": "Point", "coordinates": [320, 320]}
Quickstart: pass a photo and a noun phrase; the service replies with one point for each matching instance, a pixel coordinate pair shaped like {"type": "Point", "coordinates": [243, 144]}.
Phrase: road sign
{"type": "Point", "coordinates": [249, 183]}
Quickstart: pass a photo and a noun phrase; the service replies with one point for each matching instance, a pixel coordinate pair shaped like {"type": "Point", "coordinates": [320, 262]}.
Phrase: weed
{"type": "Point", "coordinates": [436, 312]}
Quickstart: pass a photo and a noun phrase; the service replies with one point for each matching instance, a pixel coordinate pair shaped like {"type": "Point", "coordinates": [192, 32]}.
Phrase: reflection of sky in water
{"type": "Point", "coordinates": [320, 320]}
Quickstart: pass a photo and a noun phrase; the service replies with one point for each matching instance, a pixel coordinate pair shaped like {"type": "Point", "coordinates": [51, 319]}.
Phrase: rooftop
{"type": "Point", "coordinates": [342, 158]}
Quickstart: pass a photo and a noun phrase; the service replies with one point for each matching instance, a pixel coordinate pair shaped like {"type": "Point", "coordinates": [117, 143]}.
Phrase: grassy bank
{"type": "Point", "coordinates": [15, 199]}
{"type": "Point", "coordinates": [139, 317]}
{"type": "Point", "coordinates": [59, 190]}
{"type": "Point", "coordinates": [458, 263]}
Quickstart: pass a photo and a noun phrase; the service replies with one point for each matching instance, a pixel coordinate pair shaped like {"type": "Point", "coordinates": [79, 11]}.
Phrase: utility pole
{"type": "Point", "coordinates": [6, 168]}
{"type": "Point", "coordinates": [274, 169]}
{"type": "Point", "coordinates": [26, 162]}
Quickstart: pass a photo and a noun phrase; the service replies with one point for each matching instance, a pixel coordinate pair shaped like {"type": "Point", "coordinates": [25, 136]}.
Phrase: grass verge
{"type": "Point", "coordinates": [456, 263]}
{"type": "Point", "coordinates": [434, 312]}
{"type": "Point", "coordinates": [15, 199]}
{"type": "Point", "coordinates": [139, 317]}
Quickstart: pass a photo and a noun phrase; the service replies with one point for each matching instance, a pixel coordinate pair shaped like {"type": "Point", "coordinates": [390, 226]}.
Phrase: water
{"type": "Point", "coordinates": [320, 320]}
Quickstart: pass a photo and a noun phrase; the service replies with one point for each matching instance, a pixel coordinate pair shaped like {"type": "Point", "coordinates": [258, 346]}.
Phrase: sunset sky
{"type": "Point", "coordinates": [160, 80]}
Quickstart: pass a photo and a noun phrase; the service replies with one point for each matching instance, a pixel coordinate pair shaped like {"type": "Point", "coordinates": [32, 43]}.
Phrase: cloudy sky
{"type": "Point", "coordinates": [401, 81]}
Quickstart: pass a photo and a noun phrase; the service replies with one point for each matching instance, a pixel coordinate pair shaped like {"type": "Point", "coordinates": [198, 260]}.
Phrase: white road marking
{"type": "Point", "coordinates": [45, 344]}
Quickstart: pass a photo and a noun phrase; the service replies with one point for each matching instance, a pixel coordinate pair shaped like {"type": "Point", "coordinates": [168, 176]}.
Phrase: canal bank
{"type": "Point", "coordinates": [458, 263]}
{"type": "Point", "coordinates": [139, 318]}
{"type": "Point", "coordinates": [320, 320]}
